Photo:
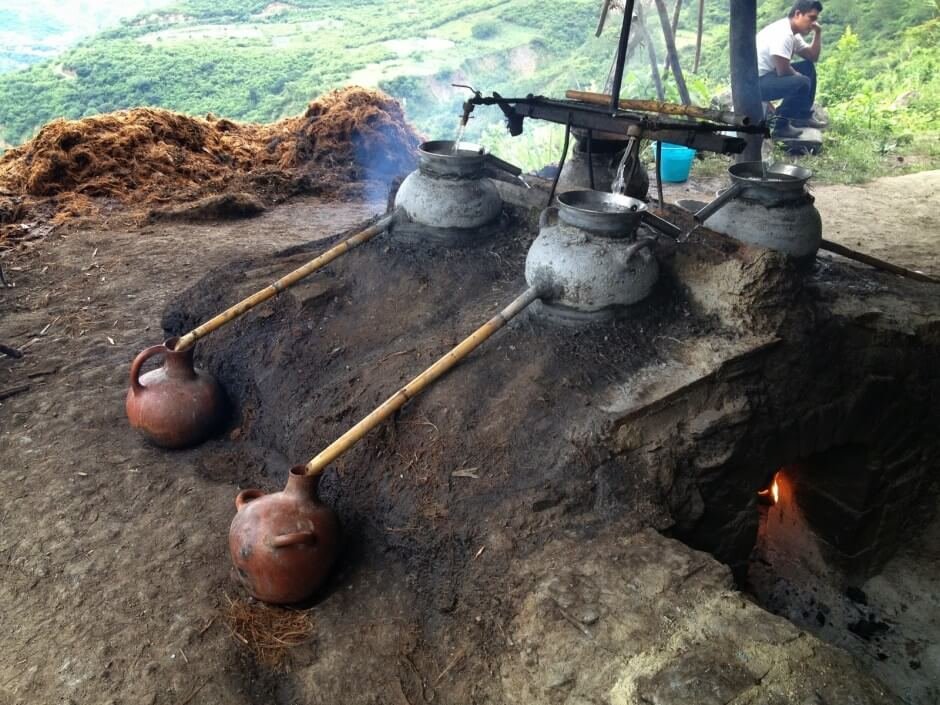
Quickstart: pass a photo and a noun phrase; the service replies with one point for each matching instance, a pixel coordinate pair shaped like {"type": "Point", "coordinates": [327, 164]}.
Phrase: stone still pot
{"type": "Point", "coordinates": [451, 196]}
{"type": "Point", "coordinates": [588, 251]}
{"type": "Point", "coordinates": [767, 206]}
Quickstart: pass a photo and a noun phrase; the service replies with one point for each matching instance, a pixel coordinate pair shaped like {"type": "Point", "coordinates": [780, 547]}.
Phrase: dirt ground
{"type": "Point", "coordinates": [115, 572]}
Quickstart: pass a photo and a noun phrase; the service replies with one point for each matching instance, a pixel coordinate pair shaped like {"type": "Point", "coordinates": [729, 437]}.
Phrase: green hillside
{"type": "Point", "coordinates": [260, 60]}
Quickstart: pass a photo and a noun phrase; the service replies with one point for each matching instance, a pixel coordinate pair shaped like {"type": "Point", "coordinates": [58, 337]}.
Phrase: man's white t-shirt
{"type": "Point", "coordinates": [777, 39]}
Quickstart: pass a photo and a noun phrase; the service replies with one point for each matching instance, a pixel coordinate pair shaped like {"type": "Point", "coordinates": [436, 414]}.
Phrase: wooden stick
{"type": "Point", "coordinates": [672, 53]}
{"type": "Point", "coordinates": [698, 38]}
{"type": "Point", "coordinates": [13, 391]}
{"type": "Point", "coordinates": [724, 117]}
{"type": "Point", "coordinates": [605, 8]}
{"type": "Point", "coordinates": [419, 383]}
{"type": "Point", "coordinates": [285, 282]}
{"type": "Point", "coordinates": [877, 263]}
{"type": "Point", "coordinates": [675, 26]}
{"type": "Point", "coordinates": [651, 50]}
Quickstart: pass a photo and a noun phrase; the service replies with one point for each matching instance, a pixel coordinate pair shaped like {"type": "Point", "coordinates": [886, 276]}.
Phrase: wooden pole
{"type": "Point", "coordinates": [744, 87]}
{"type": "Point", "coordinates": [605, 8]}
{"type": "Point", "coordinates": [723, 117]}
{"type": "Point", "coordinates": [675, 26]}
{"type": "Point", "coordinates": [698, 37]}
{"type": "Point", "coordinates": [672, 53]}
{"type": "Point", "coordinates": [654, 62]}
{"type": "Point", "coordinates": [419, 383]}
{"type": "Point", "coordinates": [875, 262]}
{"type": "Point", "coordinates": [285, 282]}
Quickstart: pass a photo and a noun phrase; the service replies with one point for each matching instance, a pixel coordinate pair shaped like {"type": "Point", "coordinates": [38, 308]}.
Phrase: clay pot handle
{"type": "Point", "coordinates": [139, 361]}
{"type": "Point", "coordinates": [245, 496]}
{"type": "Point", "coordinates": [547, 216]}
{"type": "Point", "coordinates": [300, 537]}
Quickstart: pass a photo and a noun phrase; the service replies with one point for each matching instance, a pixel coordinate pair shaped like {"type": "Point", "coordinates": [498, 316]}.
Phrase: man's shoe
{"type": "Point", "coordinates": [809, 122]}
{"type": "Point", "coordinates": [785, 131]}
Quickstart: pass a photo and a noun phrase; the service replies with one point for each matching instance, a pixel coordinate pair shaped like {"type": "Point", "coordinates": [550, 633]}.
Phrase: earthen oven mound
{"type": "Point", "coordinates": [146, 157]}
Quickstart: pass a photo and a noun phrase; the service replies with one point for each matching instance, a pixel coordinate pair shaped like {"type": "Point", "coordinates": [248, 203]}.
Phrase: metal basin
{"type": "Point", "coordinates": [609, 214]}
{"type": "Point", "coordinates": [776, 177]}
{"type": "Point", "coordinates": [439, 158]}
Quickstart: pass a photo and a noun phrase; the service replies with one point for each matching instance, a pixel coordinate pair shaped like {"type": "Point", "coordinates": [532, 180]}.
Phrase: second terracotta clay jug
{"type": "Point", "coordinates": [175, 405]}
{"type": "Point", "coordinates": [284, 544]}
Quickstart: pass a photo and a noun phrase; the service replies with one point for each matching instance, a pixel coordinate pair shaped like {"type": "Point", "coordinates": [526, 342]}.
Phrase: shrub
{"type": "Point", "coordinates": [485, 29]}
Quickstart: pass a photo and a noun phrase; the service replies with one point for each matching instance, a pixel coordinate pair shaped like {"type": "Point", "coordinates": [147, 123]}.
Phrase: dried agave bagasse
{"type": "Point", "coordinates": [148, 156]}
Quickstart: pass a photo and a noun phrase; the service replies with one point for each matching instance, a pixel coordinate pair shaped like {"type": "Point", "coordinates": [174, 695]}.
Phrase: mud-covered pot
{"type": "Point", "coordinates": [451, 188]}
{"type": "Point", "coordinates": [284, 544]}
{"type": "Point", "coordinates": [590, 257]}
{"type": "Point", "coordinates": [174, 406]}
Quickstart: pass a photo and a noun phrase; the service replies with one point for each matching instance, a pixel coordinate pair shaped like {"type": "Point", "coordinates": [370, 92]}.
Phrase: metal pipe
{"type": "Point", "coordinates": [659, 172]}
{"type": "Point", "coordinates": [286, 281]}
{"type": "Point", "coordinates": [590, 156]}
{"type": "Point", "coordinates": [621, 56]}
{"type": "Point", "coordinates": [561, 162]}
{"type": "Point", "coordinates": [422, 381]}
{"type": "Point", "coordinates": [709, 210]}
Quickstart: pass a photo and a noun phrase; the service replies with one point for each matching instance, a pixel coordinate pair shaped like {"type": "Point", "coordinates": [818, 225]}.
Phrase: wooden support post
{"type": "Point", "coordinates": [744, 88]}
{"type": "Point", "coordinates": [675, 26]}
{"type": "Point", "coordinates": [672, 53]}
{"type": "Point", "coordinates": [651, 50]}
{"type": "Point", "coordinates": [698, 37]}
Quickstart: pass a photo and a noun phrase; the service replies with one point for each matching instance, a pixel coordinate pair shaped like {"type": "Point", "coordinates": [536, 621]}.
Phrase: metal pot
{"type": "Point", "coordinates": [452, 190]}
{"type": "Point", "coordinates": [767, 206]}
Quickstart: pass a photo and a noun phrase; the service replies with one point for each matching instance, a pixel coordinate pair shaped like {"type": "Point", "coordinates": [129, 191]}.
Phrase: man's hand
{"type": "Point", "coordinates": [816, 27]}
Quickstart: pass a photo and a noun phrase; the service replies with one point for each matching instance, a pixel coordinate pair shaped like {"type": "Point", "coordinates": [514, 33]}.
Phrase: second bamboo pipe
{"type": "Point", "coordinates": [422, 381]}
{"type": "Point", "coordinates": [654, 106]}
{"type": "Point", "coordinates": [286, 281]}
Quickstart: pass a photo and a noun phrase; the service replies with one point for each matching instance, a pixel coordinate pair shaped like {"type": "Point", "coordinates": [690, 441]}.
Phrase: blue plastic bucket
{"type": "Point", "coordinates": [677, 163]}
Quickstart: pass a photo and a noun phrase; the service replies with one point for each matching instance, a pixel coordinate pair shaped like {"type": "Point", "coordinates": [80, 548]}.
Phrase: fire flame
{"type": "Point", "coordinates": [772, 493]}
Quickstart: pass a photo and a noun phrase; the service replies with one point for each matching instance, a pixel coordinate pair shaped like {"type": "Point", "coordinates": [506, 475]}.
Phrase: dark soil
{"type": "Point", "coordinates": [502, 444]}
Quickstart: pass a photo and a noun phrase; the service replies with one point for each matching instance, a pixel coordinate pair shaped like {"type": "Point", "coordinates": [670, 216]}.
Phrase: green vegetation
{"type": "Point", "coordinates": [261, 60]}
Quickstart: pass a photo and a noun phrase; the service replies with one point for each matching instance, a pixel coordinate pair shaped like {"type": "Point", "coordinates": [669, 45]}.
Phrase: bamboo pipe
{"type": "Point", "coordinates": [419, 383]}
{"type": "Point", "coordinates": [877, 263]}
{"type": "Point", "coordinates": [285, 282]}
{"type": "Point", "coordinates": [652, 106]}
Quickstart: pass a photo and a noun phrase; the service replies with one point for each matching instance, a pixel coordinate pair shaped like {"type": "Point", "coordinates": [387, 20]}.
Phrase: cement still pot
{"type": "Point", "coordinates": [767, 206]}
{"type": "Point", "coordinates": [284, 544]}
{"type": "Point", "coordinates": [590, 255]}
{"type": "Point", "coordinates": [452, 189]}
{"type": "Point", "coordinates": [174, 406]}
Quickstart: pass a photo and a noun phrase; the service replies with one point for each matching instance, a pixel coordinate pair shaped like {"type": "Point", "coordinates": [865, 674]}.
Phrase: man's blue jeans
{"type": "Point", "coordinates": [798, 92]}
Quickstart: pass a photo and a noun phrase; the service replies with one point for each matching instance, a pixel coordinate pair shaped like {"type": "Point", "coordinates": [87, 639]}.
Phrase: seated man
{"type": "Point", "coordinates": [778, 78]}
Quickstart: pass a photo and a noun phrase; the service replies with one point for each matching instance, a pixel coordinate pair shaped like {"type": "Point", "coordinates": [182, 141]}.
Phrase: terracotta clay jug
{"type": "Point", "coordinates": [174, 406]}
{"type": "Point", "coordinates": [284, 544]}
